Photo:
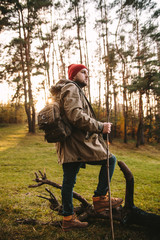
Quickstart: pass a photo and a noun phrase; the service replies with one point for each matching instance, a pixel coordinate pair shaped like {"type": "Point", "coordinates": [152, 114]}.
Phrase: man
{"type": "Point", "coordinates": [84, 146]}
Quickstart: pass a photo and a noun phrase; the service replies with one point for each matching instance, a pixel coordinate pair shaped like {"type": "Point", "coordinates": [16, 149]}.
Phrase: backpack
{"type": "Point", "coordinates": [54, 122]}
{"type": "Point", "coordinates": [54, 125]}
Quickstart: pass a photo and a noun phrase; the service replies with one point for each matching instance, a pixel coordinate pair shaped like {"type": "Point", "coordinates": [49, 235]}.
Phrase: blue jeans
{"type": "Point", "coordinates": [70, 171]}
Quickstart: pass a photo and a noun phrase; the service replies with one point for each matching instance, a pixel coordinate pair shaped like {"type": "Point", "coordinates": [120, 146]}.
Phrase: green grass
{"type": "Point", "coordinates": [21, 154]}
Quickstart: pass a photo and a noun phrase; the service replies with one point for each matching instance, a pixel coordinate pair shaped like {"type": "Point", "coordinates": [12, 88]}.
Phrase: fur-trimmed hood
{"type": "Point", "coordinates": [55, 89]}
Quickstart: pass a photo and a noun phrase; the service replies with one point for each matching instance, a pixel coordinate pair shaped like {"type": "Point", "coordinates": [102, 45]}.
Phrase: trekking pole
{"type": "Point", "coordinates": [108, 175]}
{"type": "Point", "coordinates": [109, 190]}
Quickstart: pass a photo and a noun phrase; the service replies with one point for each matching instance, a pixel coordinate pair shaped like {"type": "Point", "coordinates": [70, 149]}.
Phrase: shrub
{"type": "Point", "coordinates": [12, 113]}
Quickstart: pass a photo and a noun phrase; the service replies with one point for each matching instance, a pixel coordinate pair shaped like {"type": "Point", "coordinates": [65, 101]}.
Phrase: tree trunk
{"type": "Point", "coordinates": [132, 116]}
{"type": "Point", "coordinates": [76, 8]}
{"type": "Point", "coordinates": [86, 51]}
{"type": "Point", "coordinates": [125, 115]}
{"type": "Point", "coordinates": [106, 55]}
{"type": "Point", "coordinates": [31, 104]}
{"type": "Point", "coordinates": [30, 110]}
{"type": "Point", "coordinates": [22, 65]}
{"type": "Point", "coordinates": [158, 52]}
{"type": "Point", "coordinates": [140, 132]}
{"type": "Point", "coordinates": [62, 68]}
{"type": "Point", "coordinates": [124, 106]}
{"type": "Point", "coordinates": [115, 111]}
{"type": "Point", "coordinates": [158, 117]}
{"type": "Point", "coordinates": [99, 101]}
{"type": "Point", "coordinates": [23, 74]}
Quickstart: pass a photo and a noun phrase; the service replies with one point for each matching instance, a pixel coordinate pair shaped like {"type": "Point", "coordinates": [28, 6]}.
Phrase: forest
{"type": "Point", "coordinates": [118, 41]}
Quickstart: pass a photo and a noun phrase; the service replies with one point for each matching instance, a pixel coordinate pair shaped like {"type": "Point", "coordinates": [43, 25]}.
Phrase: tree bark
{"type": "Point", "coordinates": [123, 78]}
{"type": "Point", "coordinates": [140, 132]}
{"type": "Point", "coordinates": [77, 17]}
{"type": "Point", "coordinates": [30, 104]}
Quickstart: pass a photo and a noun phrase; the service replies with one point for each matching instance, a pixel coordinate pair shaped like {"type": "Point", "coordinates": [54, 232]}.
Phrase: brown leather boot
{"type": "Point", "coordinates": [70, 222]}
{"type": "Point", "coordinates": [101, 203]}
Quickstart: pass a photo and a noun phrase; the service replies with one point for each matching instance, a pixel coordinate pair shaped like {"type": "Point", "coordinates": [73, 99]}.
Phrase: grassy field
{"type": "Point", "coordinates": [21, 154]}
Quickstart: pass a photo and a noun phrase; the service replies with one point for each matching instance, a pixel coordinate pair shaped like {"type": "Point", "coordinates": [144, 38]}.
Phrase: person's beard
{"type": "Point", "coordinates": [81, 84]}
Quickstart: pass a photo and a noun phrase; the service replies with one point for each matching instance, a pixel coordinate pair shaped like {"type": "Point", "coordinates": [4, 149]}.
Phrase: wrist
{"type": "Point", "coordinates": [100, 127]}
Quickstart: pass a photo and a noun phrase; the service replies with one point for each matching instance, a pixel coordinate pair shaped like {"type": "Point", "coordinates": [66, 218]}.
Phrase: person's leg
{"type": "Point", "coordinates": [102, 186]}
{"type": "Point", "coordinates": [70, 171]}
{"type": "Point", "coordinates": [70, 221]}
{"type": "Point", "coordinates": [100, 199]}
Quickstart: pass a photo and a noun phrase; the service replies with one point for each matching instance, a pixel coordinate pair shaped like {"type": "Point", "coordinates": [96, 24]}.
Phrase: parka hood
{"type": "Point", "coordinates": [55, 89]}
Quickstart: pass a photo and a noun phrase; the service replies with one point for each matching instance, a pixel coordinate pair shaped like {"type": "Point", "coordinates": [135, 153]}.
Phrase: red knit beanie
{"type": "Point", "coordinates": [73, 69]}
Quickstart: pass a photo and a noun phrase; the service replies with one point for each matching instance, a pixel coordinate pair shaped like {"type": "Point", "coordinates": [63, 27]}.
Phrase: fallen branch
{"type": "Point", "coordinates": [43, 180]}
{"type": "Point", "coordinates": [129, 214]}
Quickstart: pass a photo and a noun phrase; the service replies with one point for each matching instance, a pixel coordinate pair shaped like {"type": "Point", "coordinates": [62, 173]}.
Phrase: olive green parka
{"type": "Point", "coordinates": [85, 144]}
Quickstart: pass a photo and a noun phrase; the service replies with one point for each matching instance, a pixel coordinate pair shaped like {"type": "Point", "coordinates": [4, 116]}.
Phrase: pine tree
{"type": "Point", "coordinates": [22, 18]}
{"type": "Point", "coordinates": [138, 83]}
